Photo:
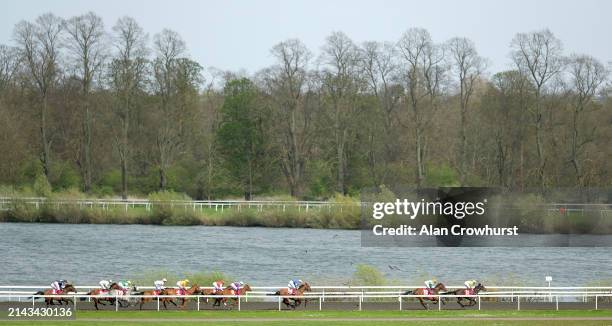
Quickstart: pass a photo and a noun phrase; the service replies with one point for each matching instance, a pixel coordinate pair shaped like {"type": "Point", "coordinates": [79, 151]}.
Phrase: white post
{"type": "Point", "coordinates": [74, 302]}
{"type": "Point", "coordinates": [400, 301]}
{"type": "Point", "coordinates": [439, 302]}
{"type": "Point", "coordinates": [320, 305]}
{"type": "Point", "coordinates": [479, 302]}
{"type": "Point", "coordinates": [33, 301]}
{"type": "Point", "coordinates": [549, 280]}
{"type": "Point", "coordinates": [116, 303]}
{"type": "Point", "coordinates": [518, 302]}
{"type": "Point", "coordinates": [596, 302]}
{"type": "Point", "coordinates": [557, 302]}
{"type": "Point", "coordinates": [239, 302]}
{"type": "Point", "coordinates": [279, 303]}
{"type": "Point", "coordinates": [360, 300]}
{"type": "Point", "coordinates": [198, 303]}
{"type": "Point", "coordinates": [158, 303]}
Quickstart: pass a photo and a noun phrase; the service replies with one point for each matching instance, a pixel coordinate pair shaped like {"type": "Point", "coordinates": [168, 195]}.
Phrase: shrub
{"type": "Point", "coordinates": [367, 275]}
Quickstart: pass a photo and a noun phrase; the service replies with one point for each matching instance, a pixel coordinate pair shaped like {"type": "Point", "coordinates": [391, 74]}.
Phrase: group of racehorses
{"type": "Point", "coordinates": [290, 299]}
{"type": "Point", "coordinates": [116, 295]}
{"type": "Point", "coordinates": [461, 294]}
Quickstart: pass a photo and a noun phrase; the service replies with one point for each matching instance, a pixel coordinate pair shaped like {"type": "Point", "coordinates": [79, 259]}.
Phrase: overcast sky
{"type": "Point", "coordinates": [238, 34]}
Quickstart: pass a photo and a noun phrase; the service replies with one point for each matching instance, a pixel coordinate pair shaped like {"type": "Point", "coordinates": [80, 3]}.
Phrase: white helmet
{"type": "Point", "coordinates": [164, 280]}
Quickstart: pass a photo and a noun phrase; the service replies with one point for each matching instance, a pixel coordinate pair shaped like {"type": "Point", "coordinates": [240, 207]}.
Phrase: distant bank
{"type": "Point", "coordinates": [299, 214]}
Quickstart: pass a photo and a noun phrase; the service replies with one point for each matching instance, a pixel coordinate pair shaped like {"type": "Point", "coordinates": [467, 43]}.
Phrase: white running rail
{"type": "Point", "coordinates": [279, 299]}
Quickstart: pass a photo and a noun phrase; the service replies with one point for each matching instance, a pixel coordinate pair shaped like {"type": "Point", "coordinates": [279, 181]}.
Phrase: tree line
{"type": "Point", "coordinates": [112, 111]}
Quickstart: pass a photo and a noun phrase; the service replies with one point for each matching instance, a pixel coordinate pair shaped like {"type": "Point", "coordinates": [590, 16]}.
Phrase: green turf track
{"type": "Point", "coordinates": [326, 318]}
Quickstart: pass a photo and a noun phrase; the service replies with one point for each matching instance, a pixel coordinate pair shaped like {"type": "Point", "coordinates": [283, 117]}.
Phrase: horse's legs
{"type": "Point", "coordinates": [423, 303]}
{"type": "Point", "coordinates": [459, 302]}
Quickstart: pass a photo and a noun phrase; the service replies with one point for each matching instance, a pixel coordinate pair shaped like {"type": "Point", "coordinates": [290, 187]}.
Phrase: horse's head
{"type": "Point", "coordinates": [246, 288]}
{"type": "Point", "coordinates": [305, 287]}
{"type": "Point", "coordinates": [441, 287]}
{"type": "Point", "coordinates": [69, 288]}
{"type": "Point", "coordinates": [114, 286]}
{"type": "Point", "coordinates": [480, 287]}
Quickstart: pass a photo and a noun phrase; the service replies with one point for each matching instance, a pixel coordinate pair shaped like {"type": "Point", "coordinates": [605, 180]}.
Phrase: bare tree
{"type": "Point", "coordinates": [9, 65]}
{"type": "Point", "coordinates": [468, 67]}
{"type": "Point", "coordinates": [425, 73]}
{"type": "Point", "coordinates": [169, 47]}
{"type": "Point", "coordinates": [86, 44]}
{"type": "Point", "coordinates": [287, 83]}
{"type": "Point", "coordinates": [342, 83]}
{"type": "Point", "coordinates": [538, 55]}
{"type": "Point", "coordinates": [380, 66]}
{"type": "Point", "coordinates": [128, 74]}
{"type": "Point", "coordinates": [587, 76]}
{"type": "Point", "coordinates": [39, 46]}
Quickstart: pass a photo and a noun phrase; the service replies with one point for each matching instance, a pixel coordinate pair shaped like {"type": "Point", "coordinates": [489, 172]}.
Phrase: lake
{"type": "Point", "coordinates": [36, 254]}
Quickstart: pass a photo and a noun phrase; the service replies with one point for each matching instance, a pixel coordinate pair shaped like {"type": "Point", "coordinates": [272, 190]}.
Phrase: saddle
{"type": "Point", "coordinates": [428, 291]}
{"type": "Point", "coordinates": [469, 291]}
{"type": "Point", "coordinates": [180, 292]}
{"type": "Point", "coordinates": [292, 291]}
{"type": "Point", "coordinates": [54, 291]}
{"type": "Point", "coordinates": [156, 292]}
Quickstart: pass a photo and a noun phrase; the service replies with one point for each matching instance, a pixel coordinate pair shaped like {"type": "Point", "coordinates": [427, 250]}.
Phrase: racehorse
{"type": "Point", "coordinates": [194, 289]}
{"type": "Point", "coordinates": [229, 291]}
{"type": "Point", "coordinates": [295, 297]}
{"type": "Point", "coordinates": [471, 300]}
{"type": "Point", "coordinates": [102, 295]}
{"type": "Point", "coordinates": [209, 292]}
{"type": "Point", "coordinates": [424, 291]}
{"type": "Point", "coordinates": [147, 299]}
{"type": "Point", "coordinates": [49, 300]}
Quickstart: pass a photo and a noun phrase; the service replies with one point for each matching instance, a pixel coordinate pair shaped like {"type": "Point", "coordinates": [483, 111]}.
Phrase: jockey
{"type": "Point", "coordinates": [183, 284]}
{"type": "Point", "coordinates": [218, 286]}
{"type": "Point", "coordinates": [430, 284]}
{"type": "Point", "coordinates": [58, 285]}
{"type": "Point", "coordinates": [236, 286]}
{"type": "Point", "coordinates": [125, 285]}
{"type": "Point", "coordinates": [160, 284]}
{"type": "Point", "coordinates": [294, 285]}
{"type": "Point", "coordinates": [471, 284]}
{"type": "Point", "coordinates": [105, 284]}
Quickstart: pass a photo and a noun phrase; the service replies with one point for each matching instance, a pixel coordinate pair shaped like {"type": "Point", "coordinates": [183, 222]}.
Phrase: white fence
{"type": "Point", "coordinates": [279, 299]}
{"type": "Point", "coordinates": [7, 203]}
{"type": "Point", "coordinates": [331, 291]}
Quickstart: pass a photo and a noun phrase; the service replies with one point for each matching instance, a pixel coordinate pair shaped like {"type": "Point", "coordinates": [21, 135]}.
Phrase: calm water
{"type": "Point", "coordinates": [40, 253]}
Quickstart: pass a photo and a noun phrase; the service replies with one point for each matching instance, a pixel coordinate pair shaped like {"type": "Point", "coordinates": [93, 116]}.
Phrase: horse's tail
{"type": "Point", "coordinates": [409, 292]}
{"type": "Point", "coordinates": [275, 293]}
{"type": "Point", "coordinates": [37, 293]}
